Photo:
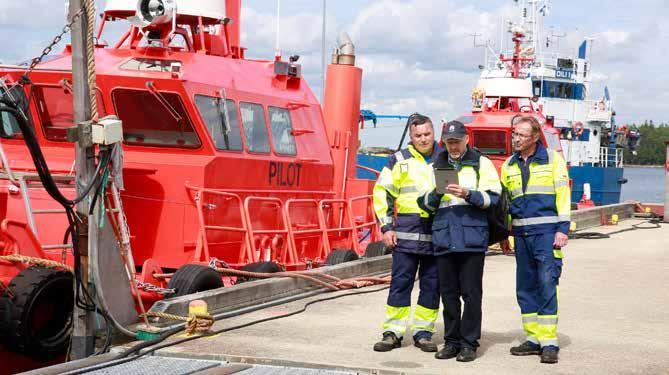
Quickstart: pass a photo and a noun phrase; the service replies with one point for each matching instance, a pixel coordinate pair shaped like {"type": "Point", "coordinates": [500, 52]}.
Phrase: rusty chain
{"type": "Point", "coordinates": [47, 50]}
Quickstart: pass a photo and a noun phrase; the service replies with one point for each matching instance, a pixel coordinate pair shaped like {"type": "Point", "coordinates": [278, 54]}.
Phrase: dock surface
{"type": "Point", "coordinates": [614, 318]}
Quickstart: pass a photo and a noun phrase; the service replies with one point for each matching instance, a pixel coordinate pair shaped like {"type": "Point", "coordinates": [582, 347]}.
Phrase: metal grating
{"type": "Point", "coordinates": [158, 365]}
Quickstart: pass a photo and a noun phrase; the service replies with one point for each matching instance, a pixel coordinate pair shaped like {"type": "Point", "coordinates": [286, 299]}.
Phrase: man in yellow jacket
{"type": "Point", "coordinates": [538, 184]}
{"type": "Point", "coordinates": [408, 230]}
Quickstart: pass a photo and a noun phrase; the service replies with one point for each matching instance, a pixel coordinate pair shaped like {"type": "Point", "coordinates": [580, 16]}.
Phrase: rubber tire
{"type": "Point", "coordinates": [339, 256]}
{"type": "Point", "coordinates": [376, 249]}
{"type": "Point", "coordinates": [260, 267]}
{"type": "Point", "coordinates": [193, 278]}
{"type": "Point", "coordinates": [34, 288]}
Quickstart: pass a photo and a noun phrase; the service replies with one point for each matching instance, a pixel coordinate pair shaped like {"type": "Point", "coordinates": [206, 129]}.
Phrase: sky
{"type": "Point", "coordinates": [420, 55]}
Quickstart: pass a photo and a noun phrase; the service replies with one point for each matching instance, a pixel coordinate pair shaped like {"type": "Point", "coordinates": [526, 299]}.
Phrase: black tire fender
{"type": "Point", "coordinates": [339, 256]}
{"type": "Point", "coordinates": [193, 278]}
{"type": "Point", "coordinates": [37, 321]}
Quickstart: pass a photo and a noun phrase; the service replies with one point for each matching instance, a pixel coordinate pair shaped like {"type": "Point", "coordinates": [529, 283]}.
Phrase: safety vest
{"type": "Point", "coordinates": [405, 177]}
{"type": "Point", "coordinates": [461, 225]}
{"type": "Point", "coordinates": [539, 192]}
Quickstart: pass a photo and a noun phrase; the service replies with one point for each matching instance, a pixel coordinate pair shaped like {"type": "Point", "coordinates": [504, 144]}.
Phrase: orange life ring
{"type": "Point", "coordinates": [577, 128]}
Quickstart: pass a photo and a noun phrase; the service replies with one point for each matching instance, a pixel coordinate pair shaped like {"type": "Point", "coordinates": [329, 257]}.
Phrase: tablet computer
{"type": "Point", "coordinates": [444, 177]}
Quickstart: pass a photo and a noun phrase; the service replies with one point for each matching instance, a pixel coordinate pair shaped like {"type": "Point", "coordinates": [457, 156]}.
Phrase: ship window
{"type": "Point", "coordinates": [282, 131]}
{"type": "Point", "coordinates": [148, 122]}
{"type": "Point", "coordinates": [55, 108]}
{"type": "Point", "coordinates": [491, 142]}
{"type": "Point", "coordinates": [9, 127]}
{"type": "Point", "coordinates": [561, 90]}
{"type": "Point", "coordinates": [255, 127]}
{"type": "Point", "coordinates": [214, 115]}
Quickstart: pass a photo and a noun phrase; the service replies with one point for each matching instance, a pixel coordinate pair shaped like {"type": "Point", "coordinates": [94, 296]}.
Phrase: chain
{"type": "Point", "coordinates": [56, 40]}
{"type": "Point", "coordinates": [213, 262]}
{"type": "Point", "coordinates": [153, 288]}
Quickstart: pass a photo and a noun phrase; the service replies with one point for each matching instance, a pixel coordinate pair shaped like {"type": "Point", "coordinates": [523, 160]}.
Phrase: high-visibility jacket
{"type": "Point", "coordinates": [539, 192]}
{"type": "Point", "coordinates": [406, 176]}
{"type": "Point", "coordinates": [461, 224]}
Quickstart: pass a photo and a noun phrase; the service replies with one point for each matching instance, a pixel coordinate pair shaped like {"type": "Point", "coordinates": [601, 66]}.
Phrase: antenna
{"type": "Point", "coordinates": [277, 52]}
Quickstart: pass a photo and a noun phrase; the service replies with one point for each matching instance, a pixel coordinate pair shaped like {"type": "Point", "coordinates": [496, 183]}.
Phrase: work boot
{"type": "Point", "coordinates": [549, 354]}
{"type": "Point", "coordinates": [526, 348]}
{"type": "Point", "coordinates": [425, 344]}
{"type": "Point", "coordinates": [447, 352]}
{"type": "Point", "coordinates": [389, 342]}
{"type": "Point", "coordinates": [467, 354]}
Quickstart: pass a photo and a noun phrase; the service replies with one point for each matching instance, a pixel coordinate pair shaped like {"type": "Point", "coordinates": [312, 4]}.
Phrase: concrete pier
{"type": "Point", "coordinates": [614, 319]}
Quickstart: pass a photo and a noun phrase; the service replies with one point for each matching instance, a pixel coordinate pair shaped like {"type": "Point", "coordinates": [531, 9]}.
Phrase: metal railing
{"type": "Point", "coordinates": [611, 158]}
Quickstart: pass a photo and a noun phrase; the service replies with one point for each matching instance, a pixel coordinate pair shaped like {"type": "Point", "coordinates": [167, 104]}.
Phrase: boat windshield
{"type": "Point", "coordinates": [491, 142]}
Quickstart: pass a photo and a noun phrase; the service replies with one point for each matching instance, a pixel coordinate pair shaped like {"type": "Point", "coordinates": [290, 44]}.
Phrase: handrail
{"type": "Point", "coordinates": [288, 250]}
{"type": "Point", "coordinates": [322, 249]}
{"type": "Point", "coordinates": [204, 243]}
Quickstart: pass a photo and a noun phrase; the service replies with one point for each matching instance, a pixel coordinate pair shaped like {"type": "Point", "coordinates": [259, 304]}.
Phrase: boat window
{"type": "Point", "coordinates": [148, 122]}
{"type": "Point", "coordinates": [55, 109]}
{"type": "Point", "coordinates": [560, 90]}
{"type": "Point", "coordinates": [552, 140]}
{"type": "Point", "coordinates": [9, 127]}
{"type": "Point", "coordinates": [491, 142]}
{"type": "Point", "coordinates": [282, 131]}
{"type": "Point", "coordinates": [255, 127]}
{"type": "Point", "coordinates": [214, 114]}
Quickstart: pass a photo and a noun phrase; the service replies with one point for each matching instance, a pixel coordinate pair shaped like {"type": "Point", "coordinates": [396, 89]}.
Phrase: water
{"type": "Point", "coordinates": [644, 184]}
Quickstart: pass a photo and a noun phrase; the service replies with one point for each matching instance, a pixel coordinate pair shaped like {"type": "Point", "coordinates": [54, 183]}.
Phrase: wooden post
{"type": "Point", "coordinates": [83, 335]}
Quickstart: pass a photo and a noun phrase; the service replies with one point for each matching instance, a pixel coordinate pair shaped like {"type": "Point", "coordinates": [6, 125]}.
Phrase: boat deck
{"type": "Point", "coordinates": [613, 319]}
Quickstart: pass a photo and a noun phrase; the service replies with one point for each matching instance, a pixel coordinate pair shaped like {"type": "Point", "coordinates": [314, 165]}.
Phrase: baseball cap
{"type": "Point", "coordinates": [454, 130]}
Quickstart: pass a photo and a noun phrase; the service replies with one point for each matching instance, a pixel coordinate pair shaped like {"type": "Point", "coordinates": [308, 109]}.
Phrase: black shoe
{"type": "Point", "coordinates": [447, 352]}
{"type": "Point", "coordinates": [467, 354]}
{"type": "Point", "coordinates": [526, 348]}
{"type": "Point", "coordinates": [425, 344]}
{"type": "Point", "coordinates": [549, 354]}
{"type": "Point", "coordinates": [389, 342]}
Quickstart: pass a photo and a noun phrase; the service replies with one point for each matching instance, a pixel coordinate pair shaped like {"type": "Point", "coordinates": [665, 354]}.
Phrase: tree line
{"type": "Point", "coordinates": [652, 149]}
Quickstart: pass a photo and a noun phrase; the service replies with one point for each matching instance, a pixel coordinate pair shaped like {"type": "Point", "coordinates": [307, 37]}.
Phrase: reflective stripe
{"type": "Point", "coordinates": [564, 217]}
{"type": "Point", "coordinates": [426, 201]}
{"type": "Point", "coordinates": [550, 155]}
{"type": "Point", "coordinates": [552, 342]}
{"type": "Point", "coordinates": [422, 325]}
{"type": "Point", "coordinates": [395, 322]}
{"type": "Point", "coordinates": [486, 199]}
{"type": "Point", "coordinates": [391, 188]}
{"type": "Point", "coordinates": [414, 236]}
{"type": "Point", "coordinates": [529, 319]}
{"type": "Point", "coordinates": [408, 189]}
{"type": "Point", "coordinates": [386, 220]}
{"type": "Point", "coordinates": [535, 221]}
{"type": "Point", "coordinates": [540, 189]}
{"type": "Point", "coordinates": [547, 321]}
{"type": "Point", "coordinates": [497, 190]}
{"type": "Point", "coordinates": [516, 192]}
{"type": "Point", "coordinates": [453, 202]}
{"type": "Point", "coordinates": [399, 156]}
{"type": "Point", "coordinates": [559, 184]}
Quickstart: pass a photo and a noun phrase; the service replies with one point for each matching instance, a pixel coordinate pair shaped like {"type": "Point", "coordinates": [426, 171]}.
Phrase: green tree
{"type": "Point", "coordinates": [652, 149]}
